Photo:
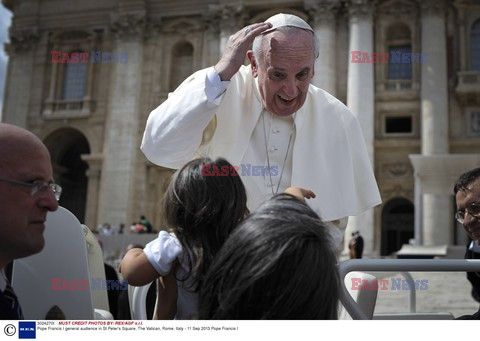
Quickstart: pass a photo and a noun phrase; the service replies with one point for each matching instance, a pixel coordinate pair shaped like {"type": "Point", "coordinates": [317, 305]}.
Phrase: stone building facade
{"type": "Point", "coordinates": [420, 117]}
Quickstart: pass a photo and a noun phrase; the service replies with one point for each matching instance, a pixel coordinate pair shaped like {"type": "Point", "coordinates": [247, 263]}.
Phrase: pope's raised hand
{"type": "Point", "coordinates": [236, 49]}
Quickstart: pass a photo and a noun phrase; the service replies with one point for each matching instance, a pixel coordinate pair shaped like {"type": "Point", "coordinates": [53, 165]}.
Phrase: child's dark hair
{"type": "Point", "coordinates": [278, 264]}
{"type": "Point", "coordinates": [202, 209]}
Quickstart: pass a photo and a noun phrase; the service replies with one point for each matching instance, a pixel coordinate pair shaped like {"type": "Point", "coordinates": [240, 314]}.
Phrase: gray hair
{"type": "Point", "coordinates": [258, 42]}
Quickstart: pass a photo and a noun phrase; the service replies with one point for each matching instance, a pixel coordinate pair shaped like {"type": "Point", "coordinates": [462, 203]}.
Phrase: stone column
{"type": "Point", "coordinates": [360, 99]}
{"type": "Point", "coordinates": [87, 99]}
{"type": "Point", "coordinates": [121, 146]}
{"type": "Point", "coordinates": [93, 173]}
{"type": "Point", "coordinates": [434, 109]}
{"type": "Point", "coordinates": [231, 20]}
{"type": "Point", "coordinates": [18, 84]}
{"type": "Point", "coordinates": [323, 14]}
{"type": "Point", "coordinates": [462, 34]}
{"type": "Point", "coordinates": [418, 218]}
{"type": "Point", "coordinates": [50, 101]}
{"type": "Point", "coordinates": [211, 51]}
{"type": "Point", "coordinates": [157, 180]}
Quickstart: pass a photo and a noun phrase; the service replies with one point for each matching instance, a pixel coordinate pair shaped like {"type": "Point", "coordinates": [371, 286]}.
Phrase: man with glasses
{"type": "Point", "coordinates": [27, 193]}
{"type": "Point", "coordinates": [467, 196]}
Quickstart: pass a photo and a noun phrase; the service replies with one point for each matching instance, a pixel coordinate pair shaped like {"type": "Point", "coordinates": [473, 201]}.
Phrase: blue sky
{"type": "Point", "coordinates": [5, 19]}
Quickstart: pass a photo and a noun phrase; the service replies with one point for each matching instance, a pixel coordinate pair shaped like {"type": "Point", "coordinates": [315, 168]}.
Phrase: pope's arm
{"type": "Point", "coordinates": [174, 130]}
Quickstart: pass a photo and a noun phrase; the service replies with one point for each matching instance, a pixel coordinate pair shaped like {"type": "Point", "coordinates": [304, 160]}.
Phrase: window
{"type": "Point", "coordinates": [182, 64]}
{"type": "Point", "coordinates": [475, 45]}
{"type": "Point", "coordinates": [74, 80]}
{"type": "Point", "coordinates": [398, 125]}
{"type": "Point", "coordinates": [70, 90]}
{"type": "Point", "coordinates": [475, 122]}
{"type": "Point", "coordinates": [397, 67]}
{"type": "Point", "coordinates": [399, 73]}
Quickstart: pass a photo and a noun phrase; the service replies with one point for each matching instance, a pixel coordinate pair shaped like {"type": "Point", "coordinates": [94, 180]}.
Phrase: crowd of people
{"type": "Point", "coordinates": [142, 226]}
{"type": "Point", "coordinates": [234, 246]}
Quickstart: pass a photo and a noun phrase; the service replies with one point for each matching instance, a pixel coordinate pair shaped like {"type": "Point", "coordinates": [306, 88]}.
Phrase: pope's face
{"type": "Point", "coordinates": [285, 71]}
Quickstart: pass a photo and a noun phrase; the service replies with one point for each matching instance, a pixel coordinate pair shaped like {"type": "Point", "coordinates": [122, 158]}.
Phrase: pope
{"type": "Point", "coordinates": [269, 115]}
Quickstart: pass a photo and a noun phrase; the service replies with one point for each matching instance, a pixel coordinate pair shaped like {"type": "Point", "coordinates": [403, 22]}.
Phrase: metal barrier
{"type": "Point", "coordinates": [396, 265]}
{"type": "Point", "coordinates": [412, 302]}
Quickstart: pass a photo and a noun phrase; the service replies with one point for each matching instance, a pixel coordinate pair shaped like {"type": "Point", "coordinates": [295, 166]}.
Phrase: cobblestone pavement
{"type": "Point", "coordinates": [446, 292]}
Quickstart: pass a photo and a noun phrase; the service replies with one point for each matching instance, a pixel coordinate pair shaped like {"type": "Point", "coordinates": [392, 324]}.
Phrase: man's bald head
{"type": "Point", "coordinates": [24, 161]}
{"type": "Point", "coordinates": [16, 143]}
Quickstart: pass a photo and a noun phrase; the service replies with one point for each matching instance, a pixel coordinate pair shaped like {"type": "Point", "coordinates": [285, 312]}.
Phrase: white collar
{"type": "Point", "coordinates": [474, 247]}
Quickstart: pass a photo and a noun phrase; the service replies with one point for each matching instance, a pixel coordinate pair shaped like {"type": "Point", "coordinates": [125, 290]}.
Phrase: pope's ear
{"type": "Point", "coordinates": [253, 63]}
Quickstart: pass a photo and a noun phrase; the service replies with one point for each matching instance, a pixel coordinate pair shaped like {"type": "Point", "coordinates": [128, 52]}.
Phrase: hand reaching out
{"type": "Point", "coordinates": [300, 193]}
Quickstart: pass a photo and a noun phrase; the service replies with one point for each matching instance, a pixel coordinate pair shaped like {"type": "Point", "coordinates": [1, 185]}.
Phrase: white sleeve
{"type": "Point", "coordinates": [174, 130]}
{"type": "Point", "coordinates": [214, 86]}
{"type": "Point", "coordinates": [163, 251]}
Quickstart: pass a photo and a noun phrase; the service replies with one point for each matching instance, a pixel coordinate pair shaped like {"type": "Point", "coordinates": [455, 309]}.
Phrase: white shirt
{"type": "Point", "coordinates": [274, 139]}
{"type": "Point", "coordinates": [474, 247]}
{"type": "Point", "coordinates": [161, 253]}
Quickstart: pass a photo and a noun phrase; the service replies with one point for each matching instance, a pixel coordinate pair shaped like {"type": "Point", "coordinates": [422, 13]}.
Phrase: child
{"type": "Point", "coordinates": [204, 202]}
{"type": "Point", "coordinates": [278, 264]}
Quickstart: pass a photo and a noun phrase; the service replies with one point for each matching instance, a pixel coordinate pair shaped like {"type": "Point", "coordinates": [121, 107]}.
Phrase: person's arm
{"type": "Point", "coordinates": [300, 193]}
{"type": "Point", "coordinates": [174, 130]}
{"type": "Point", "coordinates": [136, 268]}
{"type": "Point", "coordinates": [336, 227]}
{"type": "Point", "coordinates": [167, 293]}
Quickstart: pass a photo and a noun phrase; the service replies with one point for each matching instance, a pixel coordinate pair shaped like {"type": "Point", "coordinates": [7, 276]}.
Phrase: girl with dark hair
{"type": "Point", "coordinates": [201, 209]}
{"type": "Point", "coordinates": [278, 264]}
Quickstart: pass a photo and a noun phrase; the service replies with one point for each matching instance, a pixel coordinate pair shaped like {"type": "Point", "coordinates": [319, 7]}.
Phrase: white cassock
{"type": "Point", "coordinates": [326, 153]}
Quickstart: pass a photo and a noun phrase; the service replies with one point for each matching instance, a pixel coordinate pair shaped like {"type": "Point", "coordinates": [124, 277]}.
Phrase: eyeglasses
{"type": "Point", "coordinates": [38, 186]}
{"type": "Point", "coordinates": [473, 209]}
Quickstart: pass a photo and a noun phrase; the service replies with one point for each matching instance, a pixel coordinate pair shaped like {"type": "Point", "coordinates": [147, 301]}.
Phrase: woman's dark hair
{"type": "Point", "coordinates": [202, 208]}
{"type": "Point", "coordinates": [278, 264]}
